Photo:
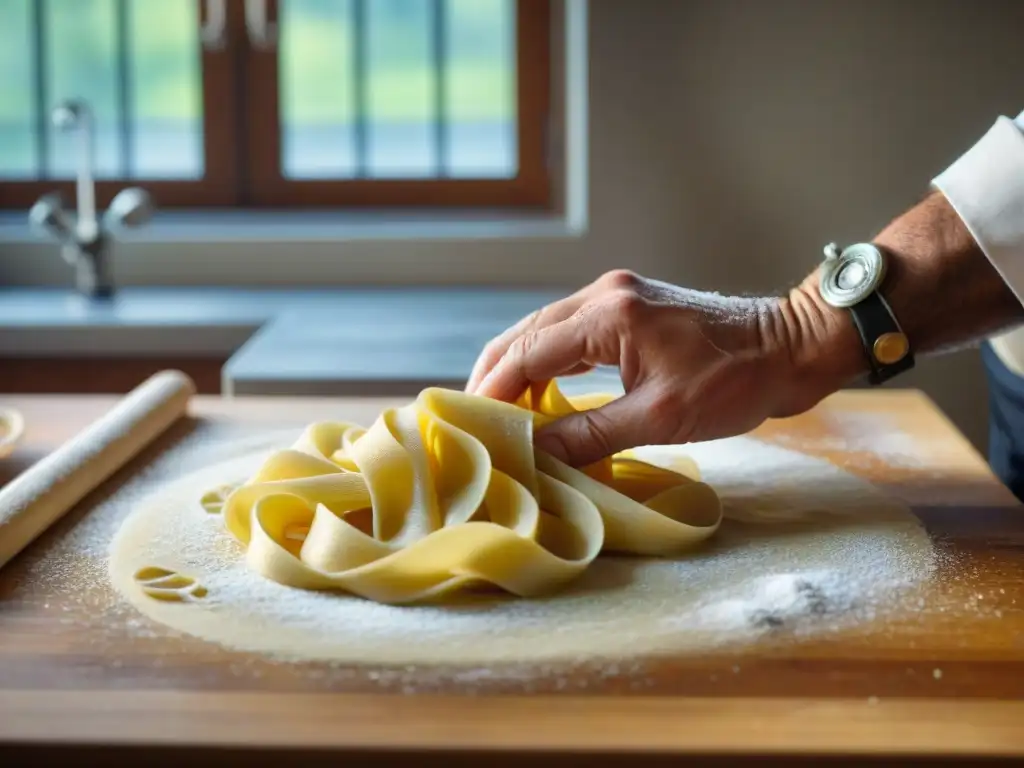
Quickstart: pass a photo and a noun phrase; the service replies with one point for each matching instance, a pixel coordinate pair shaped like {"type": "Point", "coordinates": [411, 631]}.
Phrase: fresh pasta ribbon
{"type": "Point", "coordinates": [449, 492]}
{"type": "Point", "coordinates": [165, 584]}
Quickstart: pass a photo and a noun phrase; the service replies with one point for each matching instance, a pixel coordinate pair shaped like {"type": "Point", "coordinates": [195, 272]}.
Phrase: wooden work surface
{"type": "Point", "coordinates": [946, 682]}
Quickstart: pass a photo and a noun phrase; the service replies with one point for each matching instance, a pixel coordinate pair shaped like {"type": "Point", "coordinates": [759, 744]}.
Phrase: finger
{"type": "Point", "coordinates": [497, 347]}
{"type": "Point", "coordinates": [626, 422]}
{"type": "Point", "coordinates": [535, 356]}
{"type": "Point", "coordinates": [553, 351]}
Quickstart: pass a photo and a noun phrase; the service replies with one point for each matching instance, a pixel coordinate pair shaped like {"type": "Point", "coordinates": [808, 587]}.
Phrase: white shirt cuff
{"type": "Point", "coordinates": [985, 186]}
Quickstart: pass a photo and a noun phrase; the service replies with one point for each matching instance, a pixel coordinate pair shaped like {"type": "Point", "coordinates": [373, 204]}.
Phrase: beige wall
{"type": "Point", "coordinates": [728, 141]}
{"type": "Point", "coordinates": [748, 133]}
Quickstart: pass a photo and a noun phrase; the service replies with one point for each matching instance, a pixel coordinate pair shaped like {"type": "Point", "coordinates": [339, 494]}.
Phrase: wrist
{"type": "Point", "coordinates": [816, 343]}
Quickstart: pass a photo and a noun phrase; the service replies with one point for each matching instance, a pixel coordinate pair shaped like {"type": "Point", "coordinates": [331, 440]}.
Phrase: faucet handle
{"type": "Point", "coordinates": [49, 216]}
{"type": "Point", "coordinates": [131, 207]}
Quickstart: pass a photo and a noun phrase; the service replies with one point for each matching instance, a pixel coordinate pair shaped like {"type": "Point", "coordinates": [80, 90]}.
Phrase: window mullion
{"type": "Point", "coordinates": [439, 50]}
{"type": "Point", "coordinates": [124, 106]}
{"type": "Point", "coordinates": [221, 69]}
{"type": "Point", "coordinates": [359, 87]}
{"type": "Point", "coordinates": [40, 90]}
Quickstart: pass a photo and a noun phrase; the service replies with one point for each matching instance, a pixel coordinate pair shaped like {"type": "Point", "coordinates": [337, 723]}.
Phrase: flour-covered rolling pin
{"type": "Point", "coordinates": [47, 490]}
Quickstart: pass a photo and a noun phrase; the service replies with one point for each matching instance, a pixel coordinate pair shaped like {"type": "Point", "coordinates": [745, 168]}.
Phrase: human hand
{"type": "Point", "coordinates": [695, 366]}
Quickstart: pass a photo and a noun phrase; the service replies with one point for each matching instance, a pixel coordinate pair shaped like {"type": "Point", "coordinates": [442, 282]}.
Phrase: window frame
{"type": "Point", "coordinates": [243, 170]}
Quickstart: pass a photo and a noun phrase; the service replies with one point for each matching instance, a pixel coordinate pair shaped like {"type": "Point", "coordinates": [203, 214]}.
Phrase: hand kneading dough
{"type": "Point", "coordinates": [448, 492]}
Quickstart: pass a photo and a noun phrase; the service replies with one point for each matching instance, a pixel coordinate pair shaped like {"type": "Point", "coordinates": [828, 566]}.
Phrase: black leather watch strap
{"type": "Point", "coordinates": [880, 335]}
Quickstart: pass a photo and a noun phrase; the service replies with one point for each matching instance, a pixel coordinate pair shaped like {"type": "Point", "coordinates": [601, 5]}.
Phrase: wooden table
{"type": "Point", "coordinates": [949, 683]}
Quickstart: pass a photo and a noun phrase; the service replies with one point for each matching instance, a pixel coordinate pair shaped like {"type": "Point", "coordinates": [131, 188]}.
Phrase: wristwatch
{"type": "Point", "coordinates": [851, 279]}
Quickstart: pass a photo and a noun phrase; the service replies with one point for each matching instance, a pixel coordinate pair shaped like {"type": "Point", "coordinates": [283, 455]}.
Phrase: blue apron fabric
{"type": "Point", "coordinates": [1005, 421]}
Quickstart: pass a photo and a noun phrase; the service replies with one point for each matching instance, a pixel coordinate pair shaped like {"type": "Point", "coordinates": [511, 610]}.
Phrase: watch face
{"type": "Point", "coordinates": [851, 275]}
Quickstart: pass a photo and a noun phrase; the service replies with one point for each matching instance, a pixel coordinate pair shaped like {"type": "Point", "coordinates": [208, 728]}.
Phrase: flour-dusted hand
{"type": "Point", "coordinates": [698, 366]}
{"type": "Point", "coordinates": [695, 366]}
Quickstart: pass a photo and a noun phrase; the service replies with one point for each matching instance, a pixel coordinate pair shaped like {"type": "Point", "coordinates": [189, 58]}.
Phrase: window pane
{"type": "Point", "coordinates": [387, 125]}
{"type": "Point", "coordinates": [18, 152]}
{"type": "Point", "coordinates": [81, 64]}
{"type": "Point", "coordinates": [165, 90]}
{"type": "Point", "coordinates": [317, 96]}
{"type": "Point", "coordinates": [481, 88]}
{"type": "Point", "coordinates": [400, 88]}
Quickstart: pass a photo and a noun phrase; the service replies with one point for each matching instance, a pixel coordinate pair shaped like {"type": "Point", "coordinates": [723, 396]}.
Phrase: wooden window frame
{"type": "Point", "coordinates": [243, 169]}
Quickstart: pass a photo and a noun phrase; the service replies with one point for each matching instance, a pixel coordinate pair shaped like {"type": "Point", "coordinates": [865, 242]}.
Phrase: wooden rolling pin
{"type": "Point", "coordinates": [47, 490]}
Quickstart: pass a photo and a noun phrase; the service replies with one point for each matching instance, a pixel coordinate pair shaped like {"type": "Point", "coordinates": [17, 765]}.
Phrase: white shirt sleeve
{"type": "Point", "coordinates": [985, 186]}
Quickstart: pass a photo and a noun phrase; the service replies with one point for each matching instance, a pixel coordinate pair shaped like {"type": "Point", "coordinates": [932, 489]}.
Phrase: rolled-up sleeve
{"type": "Point", "coordinates": [985, 186]}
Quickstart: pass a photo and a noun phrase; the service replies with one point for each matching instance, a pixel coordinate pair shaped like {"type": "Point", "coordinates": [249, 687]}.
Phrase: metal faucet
{"type": "Point", "coordinates": [84, 237]}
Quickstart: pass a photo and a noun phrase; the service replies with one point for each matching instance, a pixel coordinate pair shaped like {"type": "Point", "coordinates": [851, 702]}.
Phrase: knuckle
{"type": "Point", "coordinates": [621, 279]}
{"type": "Point", "coordinates": [626, 305]}
{"type": "Point", "coordinates": [520, 349]}
{"type": "Point", "coordinates": [598, 434]}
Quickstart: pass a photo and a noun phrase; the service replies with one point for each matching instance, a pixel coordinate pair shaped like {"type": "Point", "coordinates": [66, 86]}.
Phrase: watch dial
{"type": "Point", "coordinates": [852, 275]}
{"type": "Point", "coordinates": [847, 279]}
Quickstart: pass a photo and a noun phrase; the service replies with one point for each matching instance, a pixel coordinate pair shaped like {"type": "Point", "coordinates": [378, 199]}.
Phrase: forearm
{"type": "Point", "coordinates": [941, 287]}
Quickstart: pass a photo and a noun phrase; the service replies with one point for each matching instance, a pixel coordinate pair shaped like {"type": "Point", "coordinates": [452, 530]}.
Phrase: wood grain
{"type": "Point", "coordinates": [637, 724]}
{"type": "Point", "coordinates": [942, 679]}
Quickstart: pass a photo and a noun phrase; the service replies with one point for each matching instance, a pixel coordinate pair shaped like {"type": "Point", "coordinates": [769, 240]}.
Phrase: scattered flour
{"type": "Point", "coordinates": [806, 550]}
{"type": "Point", "coordinates": [781, 600]}
{"type": "Point", "coordinates": [867, 433]}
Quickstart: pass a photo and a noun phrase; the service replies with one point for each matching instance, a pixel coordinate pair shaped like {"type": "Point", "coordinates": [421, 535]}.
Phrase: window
{"type": "Point", "coordinates": [279, 103]}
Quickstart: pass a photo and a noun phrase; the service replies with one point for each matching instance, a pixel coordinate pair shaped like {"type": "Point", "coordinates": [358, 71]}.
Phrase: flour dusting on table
{"type": "Point", "coordinates": [864, 433]}
{"type": "Point", "coordinates": [806, 551]}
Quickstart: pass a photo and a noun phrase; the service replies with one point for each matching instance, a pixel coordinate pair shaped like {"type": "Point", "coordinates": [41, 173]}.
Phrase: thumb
{"type": "Point", "coordinates": [589, 436]}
